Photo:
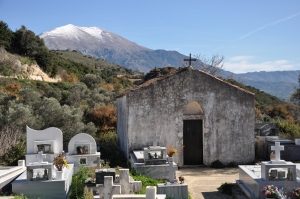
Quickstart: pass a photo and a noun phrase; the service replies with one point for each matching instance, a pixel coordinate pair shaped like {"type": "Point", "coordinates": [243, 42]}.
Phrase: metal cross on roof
{"type": "Point", "coordinates": [190, 60]}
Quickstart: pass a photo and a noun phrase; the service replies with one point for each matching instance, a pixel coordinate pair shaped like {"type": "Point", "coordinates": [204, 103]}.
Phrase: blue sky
{"type": "Point", "coordinates": [256, 35]}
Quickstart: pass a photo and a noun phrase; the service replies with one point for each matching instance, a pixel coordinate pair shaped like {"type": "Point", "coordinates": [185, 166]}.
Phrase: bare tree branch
{"type": "Point", "coordinates": [9, 137]}
{"type": "Point", "coordinates": [213, 66]}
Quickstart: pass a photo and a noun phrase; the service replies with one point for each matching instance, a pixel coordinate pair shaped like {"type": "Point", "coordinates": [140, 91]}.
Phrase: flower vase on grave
{"type": "Point", "coordinates": [60, 175]}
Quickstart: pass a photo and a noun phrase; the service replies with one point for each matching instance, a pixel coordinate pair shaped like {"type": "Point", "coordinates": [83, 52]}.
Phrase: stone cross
{"type": "Point", "coordinates": [99, 162]}
{"type": "Point", "coordinates": [128, 186]}
{"type": "Point", "coordinates": [277, 149]}
{"type": "Point", "coordinates": [41, 156]}
{"type": "Point", "coordinates": [171, 170]}
{"type": "Point", "coordinates": [190, 60]}
{"type": "Point", "coordinates": [154, 137]}
{"type": "Point", "coordinates": [107, 189]}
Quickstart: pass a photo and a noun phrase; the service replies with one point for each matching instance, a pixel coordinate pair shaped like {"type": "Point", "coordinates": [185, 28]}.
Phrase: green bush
{"type": "Point", "coordinates": [217, 164]}
{"type": "Point", "coordinates": [146, 181]}
{"type": "Point", "coordinates": [226, 188]}
{"type": "Point", "coordinates": [288, 130]}
{"type": "Point", "coordinates": [78, 181]}
{"type": "Point", "coordinates": [15, 153]}
{"type": "Point", "coordinates": [27, 60]}
{"type": "Point", "coordinates": [110, 149]}
{"type": "Point", "coordinates": [5, 70]}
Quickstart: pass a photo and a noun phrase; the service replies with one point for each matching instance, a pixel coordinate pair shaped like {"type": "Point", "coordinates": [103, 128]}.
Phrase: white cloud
{"type": "Point", "coordinates": [241, 64]}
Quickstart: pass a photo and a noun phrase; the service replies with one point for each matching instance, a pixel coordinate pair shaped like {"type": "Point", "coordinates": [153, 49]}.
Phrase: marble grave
{"type": "Point", "coordinates": [282, 174]}
{"type": "Point", "coordinates": [82, 150]}
{"type": "Point", "coordinates": [40, 179]}
{"type": "Point", "coordinates": [152, 161]}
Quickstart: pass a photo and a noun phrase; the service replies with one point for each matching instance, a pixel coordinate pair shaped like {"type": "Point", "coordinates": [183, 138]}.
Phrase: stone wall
{"type": "Point", "coordinates": [158, 108]}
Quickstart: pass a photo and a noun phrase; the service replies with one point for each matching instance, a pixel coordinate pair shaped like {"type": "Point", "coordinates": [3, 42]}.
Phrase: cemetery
{"type": "Point", "coordinates": [47, 170]}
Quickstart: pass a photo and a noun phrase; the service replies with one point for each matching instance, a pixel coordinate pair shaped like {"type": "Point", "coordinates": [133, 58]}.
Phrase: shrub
{"type": "Point", "coordinates": [146, 181]}
{"type": "Point", "coordinates": [110, 149]}
{"type": "Point", "coordinates": [78, 181]}
{"type": "Point", "coordinates": [5, 70]}
{"type": "Point", "coordinates": [217, 164]}
{"type": "Point", "coordinates": [27, 60]}
{"type": "Point", "coordinates": [231, 164]}
{"type": "Point", "coordinates": [15, 153]}
{"type": "Point", "coordinates": [104, 117]}
{"type": "Point", "coordinates": [88, 194]}
{"type": "Point", "coordinates": [288, 130]}
{"type": "Point", "coordinates": [226, 188]}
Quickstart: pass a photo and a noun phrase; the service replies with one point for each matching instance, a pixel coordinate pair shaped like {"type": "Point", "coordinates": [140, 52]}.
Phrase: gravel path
{"type": "Point", "coordinates": [204, 181]}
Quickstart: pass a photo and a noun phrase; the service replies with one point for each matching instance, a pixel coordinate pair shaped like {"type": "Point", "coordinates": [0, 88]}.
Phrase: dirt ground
{"type": "Point", "coordinates": [203, 182]}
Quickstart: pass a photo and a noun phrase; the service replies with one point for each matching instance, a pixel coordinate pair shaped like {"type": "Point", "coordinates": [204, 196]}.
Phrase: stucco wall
{"type": "Point", "coordinates": [228, 116]}
{"type": "Point", "coordinates": [122, 113]}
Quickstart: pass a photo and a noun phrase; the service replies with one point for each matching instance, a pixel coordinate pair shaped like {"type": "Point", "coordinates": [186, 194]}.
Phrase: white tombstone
{"type": "Point", "coordinates": [85, 142]}
{"type": "Point", "coordinates": [41, 156]}
{"type": "Point", "coordinates": [151, 192]}
{"type": "Point", "coordinates": [49, 141]}
{"type": "Point", "coordinates": [47, 136]}
{"type": "Point", "coordinates": [82, 150]}
{"type": "Point", "coordinates": [171, 169]}
{"type": "Point", "coordinates": [128, 186]}
{"type": "Point", "coordinates": [107, 189]}
{"type": "Point", "coordinates": [277, 148]}
{"type": "Point", "coordinates": [154, 137]}
{"type": "Point", "coordinates": [21, 163]}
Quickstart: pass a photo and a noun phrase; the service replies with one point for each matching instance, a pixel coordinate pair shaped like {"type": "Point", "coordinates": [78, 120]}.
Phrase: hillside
{"type": "Point", "coordinates": [96, 42]}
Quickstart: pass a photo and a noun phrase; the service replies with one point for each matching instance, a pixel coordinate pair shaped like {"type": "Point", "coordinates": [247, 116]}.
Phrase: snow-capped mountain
{"type": "Point", "coordinates": [106, 45]}
{"type": "Point", "coordinates": [113, 48]}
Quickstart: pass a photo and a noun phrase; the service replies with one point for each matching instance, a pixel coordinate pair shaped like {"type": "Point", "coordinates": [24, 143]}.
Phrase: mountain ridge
{"type": "Point", "coordinates": [97, 42]}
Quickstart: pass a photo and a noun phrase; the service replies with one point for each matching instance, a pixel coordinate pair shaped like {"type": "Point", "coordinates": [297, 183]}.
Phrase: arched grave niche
{"type": "Point", "coordinates": [82, 143]}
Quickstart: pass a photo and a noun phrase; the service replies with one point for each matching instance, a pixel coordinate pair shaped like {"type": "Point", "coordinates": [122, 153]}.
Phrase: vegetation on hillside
{"type": "Point", "coordinates": [84, 100]}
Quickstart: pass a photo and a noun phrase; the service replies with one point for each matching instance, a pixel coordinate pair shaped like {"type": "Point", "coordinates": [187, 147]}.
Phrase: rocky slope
{"type": "Point", "coordinates": [23, 71]}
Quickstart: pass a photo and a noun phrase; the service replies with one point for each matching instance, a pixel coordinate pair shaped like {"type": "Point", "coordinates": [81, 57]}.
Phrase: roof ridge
{"type": "Point", "coordinates": [171, 74]}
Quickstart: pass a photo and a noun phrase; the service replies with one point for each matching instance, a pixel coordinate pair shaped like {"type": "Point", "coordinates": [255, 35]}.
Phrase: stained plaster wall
{"type": "Point", "coordinates": [228, 132]}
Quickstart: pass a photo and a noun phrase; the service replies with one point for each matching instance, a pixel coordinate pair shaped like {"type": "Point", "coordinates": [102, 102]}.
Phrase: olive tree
{"type": "Point", "coordinates": [295, 96]}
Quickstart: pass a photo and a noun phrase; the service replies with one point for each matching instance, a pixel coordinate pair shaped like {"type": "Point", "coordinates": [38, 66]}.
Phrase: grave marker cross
{"type": "Point", "coordinates": [108, 189]}
{"type": "Point", "coordinates": [154, 137]}
{"type": "Point", "coordinates": [277, 149]}
{"type": "Point", "coordinates": [99, 162]}
{"type": "Point", "coordinates": [172, 170]}
{"type": "Point", "coordinates": [128, 186]}
{"type": "Point", "coordinates": [190, 60]}
{"type": "Point", "coordinates": [40, 156]}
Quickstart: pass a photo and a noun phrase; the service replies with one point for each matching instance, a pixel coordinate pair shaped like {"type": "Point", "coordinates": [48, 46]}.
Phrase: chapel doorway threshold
{"type": "Point", "coordinates": [192, 166]}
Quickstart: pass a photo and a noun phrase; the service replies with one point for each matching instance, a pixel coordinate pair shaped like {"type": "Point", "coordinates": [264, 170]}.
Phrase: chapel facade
{"type": "Point", "coordinates": [214, 120]}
